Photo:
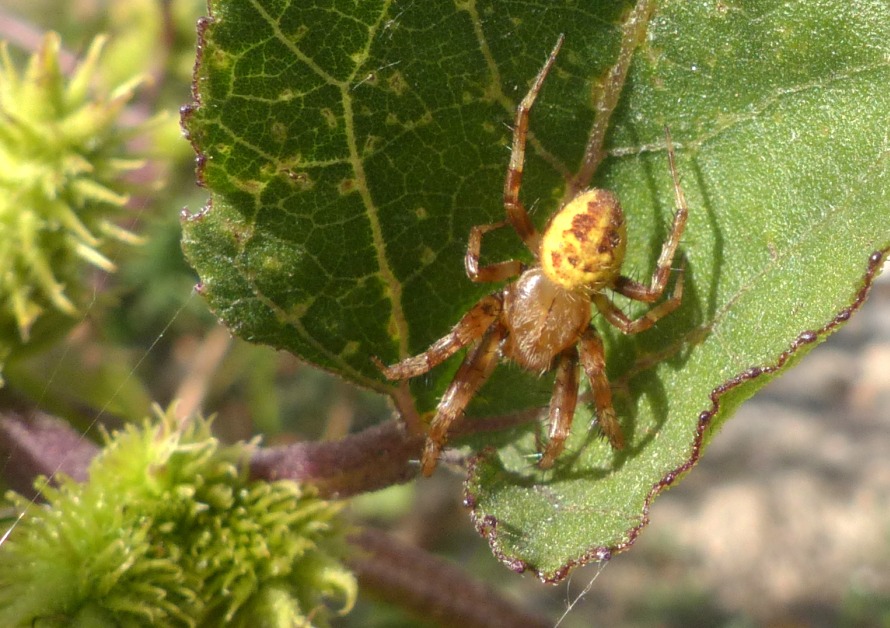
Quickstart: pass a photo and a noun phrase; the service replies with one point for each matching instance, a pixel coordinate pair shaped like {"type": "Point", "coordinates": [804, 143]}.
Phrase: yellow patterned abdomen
{"type": "Point", "coordinates": [583, 246]}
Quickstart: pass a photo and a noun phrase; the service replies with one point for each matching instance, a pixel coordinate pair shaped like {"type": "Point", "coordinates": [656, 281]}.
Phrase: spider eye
{"type": "Point", "coordinates": [583, 246]}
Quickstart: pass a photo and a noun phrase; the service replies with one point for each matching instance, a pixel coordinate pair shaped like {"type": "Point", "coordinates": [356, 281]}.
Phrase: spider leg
{"type": "Point", "coordinates": [593, 360]}
{"type": "Point", "coordinates": [475, 369]}
{"type": "Point", "coordinates": [619, 319]}
{"type": "Point", "coordinates": [641, 292]}
{"type": "Point", "coordinates": [516, 212]}
{"type": "Point", "coordinates": [471, 327]}
{"type": "Point", "coordinates": [562, 406]}
{"type": "Point", "coordinates": [493, 272]}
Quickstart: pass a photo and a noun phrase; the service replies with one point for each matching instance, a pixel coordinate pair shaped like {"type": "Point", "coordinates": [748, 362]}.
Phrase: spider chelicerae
{"type": "Point", "coordinates": [541, 320]}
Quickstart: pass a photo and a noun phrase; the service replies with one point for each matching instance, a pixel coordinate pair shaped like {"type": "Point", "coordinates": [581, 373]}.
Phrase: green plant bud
{"type": "Point", "coordinates": [62, 155]}
{"type": "Point", "coordinates": [170, 531]}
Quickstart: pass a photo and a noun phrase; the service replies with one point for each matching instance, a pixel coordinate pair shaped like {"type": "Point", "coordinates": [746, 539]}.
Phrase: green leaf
{"type": "Point", "coordinates": [349, 151]}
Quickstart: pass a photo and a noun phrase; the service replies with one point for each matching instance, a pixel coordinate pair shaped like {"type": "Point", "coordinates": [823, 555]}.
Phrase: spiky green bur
{"type": "Point", "coordinates": [62, 155]}
{"type": "Point", "coordinates": [169, 531]}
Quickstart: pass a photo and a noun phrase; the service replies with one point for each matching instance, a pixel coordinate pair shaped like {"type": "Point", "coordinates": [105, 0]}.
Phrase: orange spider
{"type": "Point", "coordinates": [541, 320]}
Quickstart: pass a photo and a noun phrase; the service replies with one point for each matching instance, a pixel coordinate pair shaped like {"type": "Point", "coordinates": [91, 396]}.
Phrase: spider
{"type": "Point", "coordinates": [541, 320]}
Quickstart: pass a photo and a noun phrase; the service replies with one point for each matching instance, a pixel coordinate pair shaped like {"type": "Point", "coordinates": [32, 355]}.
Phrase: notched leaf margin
{"type": "Point", "coordinates": [187, 111]}
{"type": "Point", "coordinates": [487, 525]}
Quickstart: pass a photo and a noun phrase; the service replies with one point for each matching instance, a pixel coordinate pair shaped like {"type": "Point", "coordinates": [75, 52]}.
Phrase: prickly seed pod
{"type": "Point", "coordinates": [62, 155]}
{"type": "Point", "coordinates": [169, 530]}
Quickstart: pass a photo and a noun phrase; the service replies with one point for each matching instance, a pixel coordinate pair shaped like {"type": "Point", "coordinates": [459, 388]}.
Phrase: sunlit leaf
{"type": "Point", "coordinates": [348, 151]}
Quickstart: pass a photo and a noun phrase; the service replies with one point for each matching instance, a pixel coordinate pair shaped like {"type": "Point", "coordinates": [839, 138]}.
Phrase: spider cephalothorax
{"type": "Point", "coordinates": [541, 320]}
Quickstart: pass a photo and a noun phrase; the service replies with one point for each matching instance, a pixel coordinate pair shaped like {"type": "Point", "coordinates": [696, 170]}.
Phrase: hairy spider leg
{"type": "Point", "coordinates": [492, 272]}
{"type": "Point", "coordinates": [625, 325]}
{"type": "Point", "coordinates": [562, 406]}
{"type": "Point", "coordinates": [648, 294]}
{"type": "Point", "coordinates": [473, 371]}
{"type": "Point", "coordinates": [516, 212]}
{"type": "Point", "coordinates": [593, 361]}
{"type": "Point", "coordinates": [469, 328]}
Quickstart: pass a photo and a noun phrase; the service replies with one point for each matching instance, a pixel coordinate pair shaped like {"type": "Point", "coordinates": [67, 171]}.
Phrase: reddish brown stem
{"type": "Point", "coordinates": [372, 459]}
{"type": "Point", "coordinates": [41, 445]}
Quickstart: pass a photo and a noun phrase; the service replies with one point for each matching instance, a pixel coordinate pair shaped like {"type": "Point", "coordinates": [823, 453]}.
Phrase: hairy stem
{"type": "Point", "coordinates": [372, 459]}
{"type": "Point", "coordinates": [375, 458]}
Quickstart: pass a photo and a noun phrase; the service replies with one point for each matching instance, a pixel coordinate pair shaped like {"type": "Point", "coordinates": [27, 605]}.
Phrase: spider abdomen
{"type": "Point", "coordinates": [583, 247]}
{"type": "Point", "coordinates": [542, 320]}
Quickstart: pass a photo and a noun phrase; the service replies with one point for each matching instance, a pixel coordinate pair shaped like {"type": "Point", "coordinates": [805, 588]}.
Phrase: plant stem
{"type": "Point", "coordinates": [41, 445]}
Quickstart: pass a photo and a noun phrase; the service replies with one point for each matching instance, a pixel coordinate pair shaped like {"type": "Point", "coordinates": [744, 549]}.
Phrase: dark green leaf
{"type": "Point", "coordinates": [349, 149]}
